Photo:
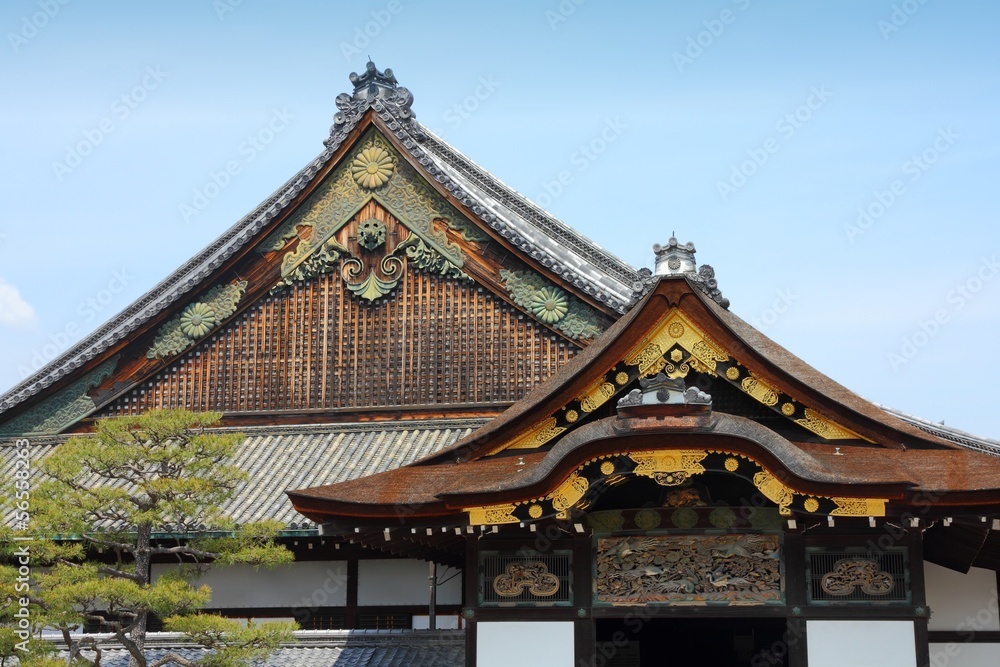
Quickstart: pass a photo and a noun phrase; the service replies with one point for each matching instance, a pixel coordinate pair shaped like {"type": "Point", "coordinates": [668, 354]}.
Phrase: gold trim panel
{"type": "Point", "coordinates": [537, 436]}
{"type": "Point", "coordinates": [491, 515]}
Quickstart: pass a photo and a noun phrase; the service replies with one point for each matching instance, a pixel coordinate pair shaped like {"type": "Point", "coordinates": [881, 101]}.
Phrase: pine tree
{"type": "Point", "coordinates": [103, 506]}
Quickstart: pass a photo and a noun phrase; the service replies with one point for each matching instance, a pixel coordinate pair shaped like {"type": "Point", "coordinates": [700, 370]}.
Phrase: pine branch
{"type": "Point", "coordinates": [172, 658]}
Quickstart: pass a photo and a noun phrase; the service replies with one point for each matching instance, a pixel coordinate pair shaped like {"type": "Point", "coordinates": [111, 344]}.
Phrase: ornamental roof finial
{"type": "Point", "coordinates": [370, 83]}
{"type": "Point", "coordinates": [677, 259]}
{"type": "Point", "coordinates": [674, 258]}
{"type": "Point", "coordinates": [376, 89]}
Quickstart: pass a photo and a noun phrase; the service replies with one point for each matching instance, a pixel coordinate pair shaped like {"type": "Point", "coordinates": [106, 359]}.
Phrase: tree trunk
{"type": "Point", "coordinates": [138, 633]}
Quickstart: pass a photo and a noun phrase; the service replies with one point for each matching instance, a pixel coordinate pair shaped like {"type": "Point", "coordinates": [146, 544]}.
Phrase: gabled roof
{"type": "Point", "coordinates": [377, 100]}
{"type": "Point", "coordinates": [817, 448]}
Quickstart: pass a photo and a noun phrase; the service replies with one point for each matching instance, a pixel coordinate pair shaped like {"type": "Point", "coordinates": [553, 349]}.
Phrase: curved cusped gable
{"type": "Point", "coordinates": [676, 330]}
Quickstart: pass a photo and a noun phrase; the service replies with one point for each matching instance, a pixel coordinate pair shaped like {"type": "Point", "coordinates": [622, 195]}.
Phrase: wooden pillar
{"type": "Point", "coordinates": [352, 593]}
{"type": "Point", "coordinates": [918, 596]}
{"type": "Point", "coordinates": [470, 602]}
{"type": "Point", "coordinates": [796, 597]}
{"type": "Point", "coordinates": [584, 630]}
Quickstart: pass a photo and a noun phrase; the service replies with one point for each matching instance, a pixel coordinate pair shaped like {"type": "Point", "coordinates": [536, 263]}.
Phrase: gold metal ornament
{"type": "Point", "coordinates": [372, 167]}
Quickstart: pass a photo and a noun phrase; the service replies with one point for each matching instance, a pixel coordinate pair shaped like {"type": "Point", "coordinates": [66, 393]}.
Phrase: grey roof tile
{"type": "Point", "coordinates": [338, 648]}
{"type": "Point", "coordinates": [279, 459]}
{"type": "Point", "coordinates": [427, 655]}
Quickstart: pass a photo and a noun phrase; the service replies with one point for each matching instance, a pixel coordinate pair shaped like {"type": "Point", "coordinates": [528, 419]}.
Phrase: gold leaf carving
{"type": "Point", "coordinates": [491, 515]}
{"type": "Point", "coordinates": [760, 390]}
{"type": "Point", "coordinates": [826, 428]}
{"type": "Point", "coordinates": [569, 492]}
{"type": "Point", "coordinates": [708, 354]}
{"type": "Point", "coordinates": [773, 489]}
{"type": "Point", "coordinates": [859, 507]}
{"type": "Point", "coordinates": [669, 467]}
{"type": "Point", "coordinates": [597, 396]}
{"type": "Point", "coordinates": [538, 436]}
{"type": "Point", "coordinates": [645, 358]}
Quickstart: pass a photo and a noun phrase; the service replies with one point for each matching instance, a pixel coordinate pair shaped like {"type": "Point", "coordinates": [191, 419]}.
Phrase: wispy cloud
{"type": "Point", "coordinates": [14, 310]}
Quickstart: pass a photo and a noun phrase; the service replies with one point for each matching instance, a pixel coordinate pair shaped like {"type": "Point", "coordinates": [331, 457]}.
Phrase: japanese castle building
{"type": "Point", "coordinates": [594, 464]}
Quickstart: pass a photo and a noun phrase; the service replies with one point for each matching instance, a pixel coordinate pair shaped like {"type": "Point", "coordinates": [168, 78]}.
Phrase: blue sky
{"type": "Point", "coordinates": [834, 161]}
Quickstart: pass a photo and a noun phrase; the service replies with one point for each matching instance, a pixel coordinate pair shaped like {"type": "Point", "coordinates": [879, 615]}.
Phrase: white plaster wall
{"type": "Point", "coordinates": [443, 622]}
{"type": "Point", "coordinates": [962, 602]}
{"type": "Point", "coordinates": [402, 581]}
{"type": "Point", "coordinates": [304, 584]}
{"type": "Point", "coordinates": [548, 644]}
{"type": "Point", "coordinates": [861, 643]}
{"type": "Point", "coordinates": [965, 655]}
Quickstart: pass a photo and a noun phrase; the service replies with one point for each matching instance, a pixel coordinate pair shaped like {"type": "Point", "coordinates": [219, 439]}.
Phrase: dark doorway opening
{"type": "Point", "coordinates": [666, 642]}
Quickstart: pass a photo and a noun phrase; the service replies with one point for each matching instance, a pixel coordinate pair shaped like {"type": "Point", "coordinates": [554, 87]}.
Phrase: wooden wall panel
{"type": "Point", "coordinates": [433, 341]}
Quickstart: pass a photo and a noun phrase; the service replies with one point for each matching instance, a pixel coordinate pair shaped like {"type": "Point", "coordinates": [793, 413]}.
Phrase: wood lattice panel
{"type": "Point", "coordinates": [315, 346]}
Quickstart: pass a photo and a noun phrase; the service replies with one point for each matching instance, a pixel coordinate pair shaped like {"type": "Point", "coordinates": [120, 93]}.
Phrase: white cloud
{"type": "Point", "coordinates": [14, 310]}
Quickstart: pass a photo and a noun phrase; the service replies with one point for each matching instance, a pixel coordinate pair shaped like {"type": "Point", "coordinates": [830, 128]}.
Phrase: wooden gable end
{"type": "Point", "coordinates": [316, 347]}
{"type": "Point", "coordinates": [376, 292]}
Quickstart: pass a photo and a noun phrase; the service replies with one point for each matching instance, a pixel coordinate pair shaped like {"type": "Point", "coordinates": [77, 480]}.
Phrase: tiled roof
{"type": "Point", "coordinates": [959, 437]}
{"type": "Point", "coordinates": [344, 649]}
{"type": "Point", "coordinates": [281, 458]}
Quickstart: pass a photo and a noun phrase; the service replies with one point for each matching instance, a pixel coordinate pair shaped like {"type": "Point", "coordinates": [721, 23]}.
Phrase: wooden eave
{"type": "Point", "coordinates": [441, 493]}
